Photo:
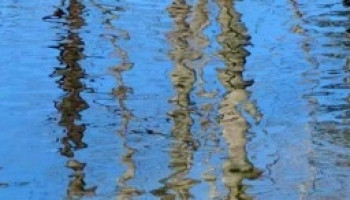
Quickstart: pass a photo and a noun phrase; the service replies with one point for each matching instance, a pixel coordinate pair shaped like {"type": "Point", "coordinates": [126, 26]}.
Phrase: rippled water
{"type": "Point", "coordinates": [177, 99]}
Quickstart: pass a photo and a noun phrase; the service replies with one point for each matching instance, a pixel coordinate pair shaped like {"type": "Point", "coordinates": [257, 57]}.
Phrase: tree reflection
{"type": "Point", "coordinates": [233, 38]}
{"type": "Point", "coordinates": [71, 48]}
{"type": "Point", "coordinates": [121, 93]}
{"type": "Point", "coordinates": [209, 126]}
{"type": "Point", "coordinates": [178, 185]}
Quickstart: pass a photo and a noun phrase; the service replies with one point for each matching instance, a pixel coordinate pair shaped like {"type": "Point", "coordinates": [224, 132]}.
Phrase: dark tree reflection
{"type": "Point", "coordinates": [71, 47]}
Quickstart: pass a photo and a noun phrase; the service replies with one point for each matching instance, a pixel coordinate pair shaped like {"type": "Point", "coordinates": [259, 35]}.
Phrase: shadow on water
{"type": "Point", "coordinates": [329, 96]}
{"type": "Point", "coordinates": [121, 93]}
{"type": "Point", "coordinates": [71, 47]}
{"type": "Point", "coordinates": [233, 39]}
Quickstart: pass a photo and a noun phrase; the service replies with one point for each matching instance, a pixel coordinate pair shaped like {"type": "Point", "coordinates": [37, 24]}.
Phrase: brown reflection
{"type": "Point", "coordinates": [121, 93]}
{"type": "Point", "coordinates": [233, 38]}
{"type": "Point", "coordinates": [71, 48]}
{"type": "Point", "coordinates": [178, 185]}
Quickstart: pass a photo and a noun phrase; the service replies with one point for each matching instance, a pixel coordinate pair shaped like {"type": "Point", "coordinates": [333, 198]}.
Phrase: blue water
{"type": "Point", "coordinates": [178, 99]}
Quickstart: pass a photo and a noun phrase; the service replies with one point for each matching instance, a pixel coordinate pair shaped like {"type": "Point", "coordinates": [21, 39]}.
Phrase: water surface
{"type": "Point", "coordinates": [177, 99]}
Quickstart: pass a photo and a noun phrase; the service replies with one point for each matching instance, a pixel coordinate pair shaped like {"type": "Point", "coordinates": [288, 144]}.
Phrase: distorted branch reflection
{"type": "Point", "coordinates": [71, 48]}
{"type": "Point", "coordinates": [121, 92]}
{"type": "Point", "coordinates": [178, 185]}
{"type": "Point", "coordinates": [233, 39]}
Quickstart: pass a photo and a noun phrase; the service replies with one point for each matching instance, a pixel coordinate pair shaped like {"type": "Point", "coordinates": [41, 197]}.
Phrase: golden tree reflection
{"type": "Point", "coordinates": [178, 185]}
{"type": "Point", "coordinates": [233, 38]}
